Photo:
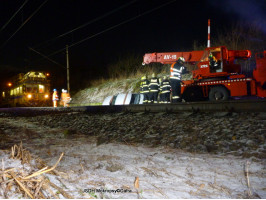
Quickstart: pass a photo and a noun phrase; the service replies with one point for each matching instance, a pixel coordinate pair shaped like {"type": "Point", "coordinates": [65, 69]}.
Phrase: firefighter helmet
{"type": "Point", "coordinates": [153, 75]}
{"type": "Point", "coordinates": [181, 60]}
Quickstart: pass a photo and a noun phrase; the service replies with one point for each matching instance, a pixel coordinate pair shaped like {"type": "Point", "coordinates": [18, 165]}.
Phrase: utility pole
{"type": "Point", "coordinates": [67, 62]}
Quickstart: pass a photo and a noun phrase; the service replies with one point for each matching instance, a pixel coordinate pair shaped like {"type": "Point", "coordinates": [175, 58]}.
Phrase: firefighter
{"type": "Point", "coordinates": [55, 98]}
{"type": "Point", "coordinates": [176, 70]}
{"type": "Point", "coordinates": [65, 98]}
{"type": "Point", "coordinates": [144, 88]}
{"type": "Point", "coordinates": [213, 61]}
{"type": "Point", "coordinates": [165, 89]}
{"type": "Point", "coordinates": [154, 89]}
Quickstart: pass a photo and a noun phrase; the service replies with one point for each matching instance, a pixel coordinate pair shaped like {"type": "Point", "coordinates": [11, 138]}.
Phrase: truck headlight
{"type": "Point", "coordinates": [29, 96]}
{"type": "Point", "coordinates": [46, 96]}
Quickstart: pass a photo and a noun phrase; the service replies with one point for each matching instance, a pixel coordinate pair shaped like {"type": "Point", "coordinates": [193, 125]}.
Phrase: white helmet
{"type": "Point", "coordinates": [182, 59]}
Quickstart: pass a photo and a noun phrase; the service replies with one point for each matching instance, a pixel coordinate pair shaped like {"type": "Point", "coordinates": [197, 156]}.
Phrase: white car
{"type": "Point", "coordinates": [123, 99]}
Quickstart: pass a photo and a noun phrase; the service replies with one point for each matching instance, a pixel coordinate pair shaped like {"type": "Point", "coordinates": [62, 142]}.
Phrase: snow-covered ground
{"type": "Point", "coordinates": [162, 172]}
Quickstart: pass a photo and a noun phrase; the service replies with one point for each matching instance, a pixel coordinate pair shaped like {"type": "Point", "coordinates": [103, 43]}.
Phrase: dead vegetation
{"type": "Point", "coordinates": [26, 182]}
{"type": "Point", "coordinates": [158, 173]}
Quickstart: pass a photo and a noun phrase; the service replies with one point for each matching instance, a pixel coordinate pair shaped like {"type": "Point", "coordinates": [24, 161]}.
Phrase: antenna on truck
{"type": "Point", "coordinates": [209, 33]}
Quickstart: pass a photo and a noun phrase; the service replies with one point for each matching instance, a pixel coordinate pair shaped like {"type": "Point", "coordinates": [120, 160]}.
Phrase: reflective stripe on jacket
{"type": "Point", "coordinates": [165, 86]}
{"type": "Point", "coordinates": [144, 86]}
{"type": "Point", "coordinates": [65, 97]}
{"type": "Point", "coordinates": [55, 96]}
{"type": "Point", "coordinates": [154, 85]}
{"type": "Point", "coordinates": [176, 71]}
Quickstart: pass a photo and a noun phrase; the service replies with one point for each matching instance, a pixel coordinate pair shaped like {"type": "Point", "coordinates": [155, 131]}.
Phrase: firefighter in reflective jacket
{"type": "Point", "coordinates": [55, 98]}
{"type": "Point", "coordinates": [144, 89]}
{"type": "Point", "coordinates": [165, 89]}
{"type": "Point", "coordinates": [154, 89]}
{"type": "Point", "coordinates": [176, 70]}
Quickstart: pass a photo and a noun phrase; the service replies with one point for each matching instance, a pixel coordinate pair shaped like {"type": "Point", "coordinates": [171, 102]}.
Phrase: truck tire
{"type": "Point", "coordinates": [218, 93]}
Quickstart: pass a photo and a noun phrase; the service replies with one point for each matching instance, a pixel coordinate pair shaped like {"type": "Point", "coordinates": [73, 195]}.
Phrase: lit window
{"type": "Point", "coordinates": [3, 95]}
{"type": "Point", "coordinates": [17, 90]}
{"type": "Point", "coordinates": [41, 89]}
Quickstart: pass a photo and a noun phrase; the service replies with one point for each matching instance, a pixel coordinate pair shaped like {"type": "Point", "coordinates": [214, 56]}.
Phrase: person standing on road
{"type": "Point", "coordinates": [55, 98]}
{"type": "Point", "coordinates": [144, 88]}
{"type": "Point", "coordinates": [65, 98]}
{"type": "Point", "coordinates": [176, 70]}
{"type": "Point", "coordinates": [154, 89]}
{"type": "Point", "coordinates": [165, 90]}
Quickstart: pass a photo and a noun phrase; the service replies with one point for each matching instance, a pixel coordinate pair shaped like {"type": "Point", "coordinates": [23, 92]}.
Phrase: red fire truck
{"type": "Point", "coordinates": [218, 82]}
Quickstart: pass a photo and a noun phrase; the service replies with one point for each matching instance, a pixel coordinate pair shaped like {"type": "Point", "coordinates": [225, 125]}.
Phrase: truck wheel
{"type": "Point", "coordinates": [218, 94]}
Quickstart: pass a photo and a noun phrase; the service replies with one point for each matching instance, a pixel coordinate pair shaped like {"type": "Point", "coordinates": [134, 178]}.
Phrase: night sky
{"type": "Point", "coordinates": [172, 27]}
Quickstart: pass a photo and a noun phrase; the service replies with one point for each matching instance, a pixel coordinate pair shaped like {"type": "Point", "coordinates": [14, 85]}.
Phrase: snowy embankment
{"type": "Point", "coordinates": [96, 95]}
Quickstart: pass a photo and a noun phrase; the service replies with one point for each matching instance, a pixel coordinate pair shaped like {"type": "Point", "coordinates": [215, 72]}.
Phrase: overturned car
{"type": "Point", "coordinates": [123, 99]}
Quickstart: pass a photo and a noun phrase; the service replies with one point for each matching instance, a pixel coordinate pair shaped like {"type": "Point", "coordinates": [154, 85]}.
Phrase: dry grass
{"type": "Point", "coordinates": [29, 184]}
{"type": "Point", "coordinates": [135, 74]}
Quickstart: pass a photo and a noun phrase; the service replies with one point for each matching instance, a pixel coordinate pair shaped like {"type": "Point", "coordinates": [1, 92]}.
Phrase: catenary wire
{"type": "Point", "coordinates": [115, 26]}
{"type": "Point", "coordinates": [87, 23]}
{"type": "Point", "coordinates": [46, 57]}
{"type": "Point", "coordinates": [14, 15]}
{"type": "Point", "coordinates": [24, 23]}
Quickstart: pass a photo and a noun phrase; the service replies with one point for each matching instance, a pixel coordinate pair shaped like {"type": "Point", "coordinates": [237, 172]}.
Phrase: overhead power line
{"type": "Point", "coordinates": [46, 57]}
{"type": "Point", "coordinates": [24, 23]}
{"type": "Point", "coordinates": [14, 15]}
{"type": "Point", "coordinates": [113, 27]}
{"type": "Point", "coordinates": [87, 23]}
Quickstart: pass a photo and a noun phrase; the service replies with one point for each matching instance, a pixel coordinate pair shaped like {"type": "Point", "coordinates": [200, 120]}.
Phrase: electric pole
{"type": "Point", "coordinates": [67, 63]}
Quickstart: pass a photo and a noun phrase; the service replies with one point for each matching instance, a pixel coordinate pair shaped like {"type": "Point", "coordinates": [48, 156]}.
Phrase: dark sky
{"type": "Point", "coordinates": [173, 27]}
